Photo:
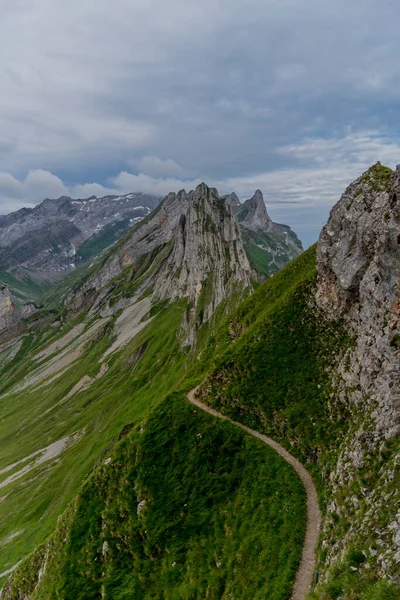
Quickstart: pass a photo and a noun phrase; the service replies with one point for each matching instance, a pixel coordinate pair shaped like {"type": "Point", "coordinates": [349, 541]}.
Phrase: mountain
{"type": "Point", "coordinates": [47, 241]}
{"type": "Point", "coordinates": [269, 246]}
{"type": "Point", "coordinates": [114, 486]}
{"type": "Point", "coordinates": [41, 245]}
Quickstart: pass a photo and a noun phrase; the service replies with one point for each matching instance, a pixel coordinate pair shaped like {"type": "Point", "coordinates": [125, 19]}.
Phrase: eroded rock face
{"type": "Point", "coordinates": [207, 262]}
{"type": "Point", "coordinates": [277, 243]}
{"type": "Point", "coordinates": [359, 280]}
{"type": "Point", "coordinates": [358, 262]}
{"type": "Point", "coordinates": [11, 315]}
{"type": "Point", "coordinates": [7, 309]}
{"type": "Point", "coordinates": [198, 255]}
{"type": "Point", "coordinates": [253, 214]}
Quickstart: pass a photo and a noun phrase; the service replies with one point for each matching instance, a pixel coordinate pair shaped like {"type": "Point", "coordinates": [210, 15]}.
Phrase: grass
{"type": "Point", "coordinates": [272, 377]}
{"type": "Point", "coordinates": [101, 240]}
{"type": "Point", "coordinates": [269, 367]}
{"type": "Point", "coordinates": [222, 517]}
{"type": "Point", "coordinates": [268, 252]}
{"type": "Point", "coordinates": [378, 177]}
{"type": "Point", "coordinates": [22, 286]}
{"type": "Point", "coordinates": [35, 417]}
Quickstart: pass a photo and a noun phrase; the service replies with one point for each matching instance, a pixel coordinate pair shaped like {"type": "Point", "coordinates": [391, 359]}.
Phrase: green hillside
{"type": "Point", "coordinates": [23, 286]}
{"type": "Point", "coordinates": [270, 364]}
{"type": "Point", "coordinates": [185, 507]}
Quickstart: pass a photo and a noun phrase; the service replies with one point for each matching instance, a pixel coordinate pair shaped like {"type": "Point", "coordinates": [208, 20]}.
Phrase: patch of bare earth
{"type": "Point", "coordinates": [40, 456]}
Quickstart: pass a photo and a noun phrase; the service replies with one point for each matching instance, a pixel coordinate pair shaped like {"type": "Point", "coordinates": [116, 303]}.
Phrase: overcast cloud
{"type": "Point", "coordinates": [297, 98]}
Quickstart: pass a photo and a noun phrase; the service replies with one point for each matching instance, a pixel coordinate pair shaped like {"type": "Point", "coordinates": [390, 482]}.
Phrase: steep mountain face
{"type": "Point", "coordinates": [269, 246]}
{"type": "Point", "coordinates": [190, 248]}
{"type": "Point", "coordinates": [358, 263]}
{"type": "Point", "coordinates": [56, 235]}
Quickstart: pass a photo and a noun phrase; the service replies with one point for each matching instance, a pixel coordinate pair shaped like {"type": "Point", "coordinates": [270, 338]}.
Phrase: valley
{"type": "Point", "coordinates": [113, 485]}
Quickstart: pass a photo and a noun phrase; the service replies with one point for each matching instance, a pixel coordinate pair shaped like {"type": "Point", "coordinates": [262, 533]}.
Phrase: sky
{"type": "Point", "coordinates": [297, 98]}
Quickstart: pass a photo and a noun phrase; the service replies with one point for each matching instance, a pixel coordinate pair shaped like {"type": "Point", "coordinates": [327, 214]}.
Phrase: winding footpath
{"type": "Point", "coordinates": [304, 575]}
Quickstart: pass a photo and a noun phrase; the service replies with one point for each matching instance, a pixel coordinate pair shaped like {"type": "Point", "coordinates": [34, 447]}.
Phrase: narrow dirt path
{"type": "Point", "coordinates": [304, 575]}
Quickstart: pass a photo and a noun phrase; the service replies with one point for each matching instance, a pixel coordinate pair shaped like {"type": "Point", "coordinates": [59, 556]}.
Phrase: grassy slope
{"type": "Point", "coordinates": [272, 377]}
{"type": "Point", "coordinates": [223, 518]}
{"type": "Point", "coordinates": [266, 251]}
{"type": "Point", "coordinates": [23, 288]}
{"type": "Point", "coordinates": [99, 241]}
{"type": "Point", "coordinates": [269, 365]}
{"type": "Point", "coordinates": [34, 417]}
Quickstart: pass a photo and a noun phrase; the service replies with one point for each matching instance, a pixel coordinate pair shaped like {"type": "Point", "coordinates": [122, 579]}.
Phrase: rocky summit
{"type": "Point", "coordinates": [41, 245]}
{"type": "Point", "coordinates": [269, 246]}
{"type": "Point", "coordinates": [173, 428]}
{"type": "Point", "coordinates": [189, 247]}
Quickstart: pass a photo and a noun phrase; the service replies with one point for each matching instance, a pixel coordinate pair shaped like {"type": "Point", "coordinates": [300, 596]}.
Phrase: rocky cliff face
{"type": "Point", "coordinates": [10, 315]}
{"type": "Point", "coordinates": [269, 246]}
{"type": "Point", "coordinates": [191, 247]}
{"type": "Point", "coordinates": [253, 214]}
{"type": "Point", "coordinates": [358, 282]}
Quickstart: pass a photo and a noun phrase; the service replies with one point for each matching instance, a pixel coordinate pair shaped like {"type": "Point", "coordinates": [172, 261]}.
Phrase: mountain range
{"type": "Point", "coordinates": [113, 485]}
{"type": "Point", "coordinates": [40, 246]}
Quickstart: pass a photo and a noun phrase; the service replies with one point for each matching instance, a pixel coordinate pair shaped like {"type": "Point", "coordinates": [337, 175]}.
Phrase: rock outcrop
{"type": "Point", "coordinates": [253, 215]}
{"type": "Point", "coordinates": [269, 246]}
{"type": "Point", "coordinates": [10, 315]}
{"type": "Point", "coordinates": [359, 280]}
{"type": "Point", "coordinates": [358, 261]}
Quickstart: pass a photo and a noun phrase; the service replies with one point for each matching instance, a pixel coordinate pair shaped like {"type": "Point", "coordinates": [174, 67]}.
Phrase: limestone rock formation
{"type": "Point", "coordinates": [269, 246]}
{"type": "Point", "coordinates": [358, 280]}
{"type": "Point", "coordinates": [253, 214]}
{"type": "Point", "coordinates": [358, 261]}
{"type": "Point", "coordinates": [194, 250]}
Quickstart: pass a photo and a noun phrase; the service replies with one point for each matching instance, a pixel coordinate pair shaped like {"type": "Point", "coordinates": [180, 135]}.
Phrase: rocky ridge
{"type": "Point", "coordinates": [47, 238]}
{"type": "Point", "coordinates": [191, 247]}
{"type": "Point", "coordinates": [358, 262]}
{"type": "Point", "coordinates": [10, 315]}
{"type": "Point", "coordinates": [269, 246]}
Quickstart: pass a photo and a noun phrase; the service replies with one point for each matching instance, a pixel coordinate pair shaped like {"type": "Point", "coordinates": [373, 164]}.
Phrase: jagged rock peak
{"type": "Point", "coordinates": [358, 262]}
{"type": "Point", "coordinates": [360, 237]}
{"type": "Point", "coordinates": [196, 251]}
{"type": "Point", "coordinates": [233, 200]}
{"type": "Point", "coordinates": [253, 213]}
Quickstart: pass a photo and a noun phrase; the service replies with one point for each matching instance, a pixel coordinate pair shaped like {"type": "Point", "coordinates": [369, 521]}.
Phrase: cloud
{"type": "Point", "coordinates": [282, 95]}
{"type": "Point", "coordinates": [157, 167]}
{"type": "Point", "coordinates": [37, 185]}
{"type": "Point", "coordinates": [300, 195]}
{"type": "Point", "coordinates": [128, 182]}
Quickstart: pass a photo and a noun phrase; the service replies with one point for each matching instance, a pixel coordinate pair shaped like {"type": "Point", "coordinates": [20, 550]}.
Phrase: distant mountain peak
{"type": "Point", "coordinates": [253, 213]}
{"type": "Point", "coordinates": [233, 200]}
